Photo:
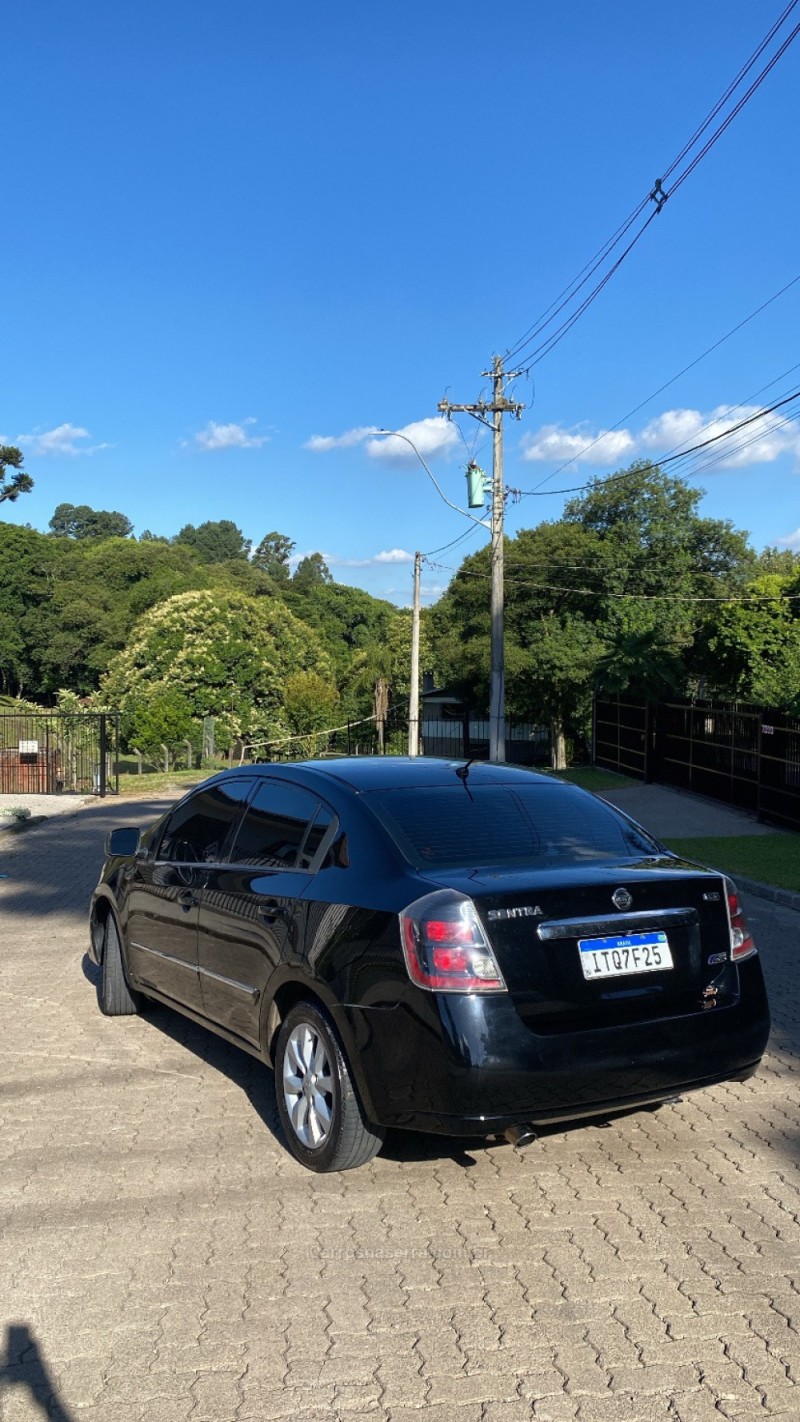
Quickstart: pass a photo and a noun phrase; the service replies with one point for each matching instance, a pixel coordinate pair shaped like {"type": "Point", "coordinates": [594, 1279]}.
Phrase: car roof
{"type": "Point", "coordinates": [379, 772]}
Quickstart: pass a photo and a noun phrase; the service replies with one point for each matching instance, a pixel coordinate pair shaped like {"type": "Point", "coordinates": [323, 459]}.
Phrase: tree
{"type": "Point", "coordinates": [779, 560]}
{"type": "Point", "coordinates": [551, 644]}
{"type": "Point", "coordinates": [311, 572]}
{"type": "Point", "coordinates": [162, 716]}
{"type": "Point", "coordinates": [230, 656]}
{"type": "Point", "coordinates": [311, 703]}
{"type": "Point", "coordinates": [81, 521]}
{"type": "Point", "coordinates": [97, 590]}
{"type": "Point", "coordinates": [752, 649]}
{"type": "Point", "coordinates": [11, 486]}
{"type": "Point", "coordinates": [31, 566]}
{"type": "Point", "coordinates": [612, 590]}
{"type": "Point", "coordinates": [272, 556]}
{"type": "Point", "coordinates": [215, 541]}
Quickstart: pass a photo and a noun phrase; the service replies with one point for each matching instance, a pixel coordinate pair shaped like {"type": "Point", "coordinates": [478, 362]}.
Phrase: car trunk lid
{"type": "Point", "coordinates": [583, 947]}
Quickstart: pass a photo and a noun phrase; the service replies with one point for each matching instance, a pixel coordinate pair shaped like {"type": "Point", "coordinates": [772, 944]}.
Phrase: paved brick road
{"type": "Point", "coordinates": [164, 1258]}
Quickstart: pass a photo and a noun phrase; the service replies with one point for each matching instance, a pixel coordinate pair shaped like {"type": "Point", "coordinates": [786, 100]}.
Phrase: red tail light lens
{"type": "Point", "coordinates": [742, 945]}
{"type": "Point", "coordinates": [445, 947]}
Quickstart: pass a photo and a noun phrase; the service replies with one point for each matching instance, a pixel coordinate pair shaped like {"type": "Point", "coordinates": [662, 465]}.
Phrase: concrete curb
{"type": "Point", "coordinates": [787, 898]}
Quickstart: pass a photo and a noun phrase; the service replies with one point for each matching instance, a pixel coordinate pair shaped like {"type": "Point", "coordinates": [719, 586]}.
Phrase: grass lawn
{"type": "Point", "coordinates": [771, 858]}
{"type": "Point", "coordinates": [157, 782]}
{"type": "Point", "coordinates": [588, 778]}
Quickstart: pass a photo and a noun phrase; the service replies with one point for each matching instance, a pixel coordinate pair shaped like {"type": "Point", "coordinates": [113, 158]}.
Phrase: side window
{"type": "Point", "coordinates": [199, 830]}
{"type": "Point", "coordinates": [274, 827]}
{"type": "Point", "coordinates": [317, 831]}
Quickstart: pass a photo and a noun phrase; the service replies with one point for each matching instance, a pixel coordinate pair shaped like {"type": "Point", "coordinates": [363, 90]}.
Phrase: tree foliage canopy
{"type": "Point", "coordinates": [272, 556]}
{"type": "Point", "coordinates": [215, 541]}
{"type": "Point", "coordinates": [213, 653]}
{"type": "Point", "coordinates": [81, 521]}
{"type": "Point", "coordinates": [19, 482]}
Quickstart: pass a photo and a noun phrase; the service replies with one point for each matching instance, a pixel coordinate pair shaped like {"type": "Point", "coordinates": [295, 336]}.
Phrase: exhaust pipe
{"type": "Point", "coordinates": [521, 1136]}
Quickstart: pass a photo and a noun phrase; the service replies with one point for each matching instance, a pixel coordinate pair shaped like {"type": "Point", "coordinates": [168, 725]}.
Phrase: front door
{"type": "Point", "coordinates": [166, 891]}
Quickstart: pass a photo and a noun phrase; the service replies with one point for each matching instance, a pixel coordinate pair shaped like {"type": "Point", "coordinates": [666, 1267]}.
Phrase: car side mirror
{"type": "Point", "coordinates": [122, 843]}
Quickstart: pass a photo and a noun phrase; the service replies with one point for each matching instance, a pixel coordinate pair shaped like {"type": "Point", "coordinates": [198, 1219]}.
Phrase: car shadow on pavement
{"type": "Point", "coordinates": [257, 1082]}
{"type": "Point", "coordinates": [22, 1369]}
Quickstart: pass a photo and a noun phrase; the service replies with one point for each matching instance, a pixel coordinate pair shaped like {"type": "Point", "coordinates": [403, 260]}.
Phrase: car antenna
{"type": "Point", "coordinates": [462, 771]}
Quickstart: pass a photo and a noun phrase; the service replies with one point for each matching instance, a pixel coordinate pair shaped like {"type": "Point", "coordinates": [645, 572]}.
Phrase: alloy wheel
{"type": "Point", "coordinates": [308, 1086]}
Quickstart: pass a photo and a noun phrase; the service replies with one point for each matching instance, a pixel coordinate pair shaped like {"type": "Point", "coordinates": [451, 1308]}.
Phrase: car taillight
{"type": "Point", "coordinates": [445, 947]}
{"type": "Point", "coordinates": [742, 945]}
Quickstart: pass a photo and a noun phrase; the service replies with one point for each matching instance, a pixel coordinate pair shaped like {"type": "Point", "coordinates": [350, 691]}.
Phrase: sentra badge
{"type": "Point", "coordinates": [527, 911]}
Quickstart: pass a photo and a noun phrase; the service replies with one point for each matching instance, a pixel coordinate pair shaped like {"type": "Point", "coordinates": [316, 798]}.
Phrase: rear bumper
{"type": "Point", "coordinates": [467, 1065]}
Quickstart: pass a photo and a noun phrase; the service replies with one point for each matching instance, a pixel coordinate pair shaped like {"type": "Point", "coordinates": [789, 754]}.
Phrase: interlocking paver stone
{"type": "Point", "coordinates": [164, 1258]}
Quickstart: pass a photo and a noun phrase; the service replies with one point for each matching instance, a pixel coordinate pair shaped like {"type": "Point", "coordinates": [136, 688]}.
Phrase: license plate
{"type": "Point", "coordinates": [620, 957]}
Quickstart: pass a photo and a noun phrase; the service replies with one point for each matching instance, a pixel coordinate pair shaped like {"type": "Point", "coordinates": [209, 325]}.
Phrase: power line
{"type": "Point", "coordinates": [666, 459]}
{"type": "Point", "coordinates": [629, 597]}
{"type": "Point", "coordinates": [741, 405]}
{"type": "Point", "coordinates": [468, 533]}
{"type": "Point", "coordinates": [658, 195]}
{"type": "Point", "coordinates": [709, 351]}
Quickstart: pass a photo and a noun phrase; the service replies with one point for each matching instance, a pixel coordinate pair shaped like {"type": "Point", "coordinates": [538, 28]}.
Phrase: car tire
{"type": "Point", "coordinates": [117, 999]}
{"type": "Point", "coordinates": [321, 1115]}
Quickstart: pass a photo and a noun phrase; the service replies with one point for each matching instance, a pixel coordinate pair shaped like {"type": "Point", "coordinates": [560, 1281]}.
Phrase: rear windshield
{"type": "Point", "coordinates": [497, 824]}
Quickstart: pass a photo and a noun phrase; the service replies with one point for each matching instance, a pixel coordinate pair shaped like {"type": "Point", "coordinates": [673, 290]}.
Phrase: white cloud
{"type": "Point", "coordinates": [431, 437]}
{"type": "Point", "coordinates": [552, 442]}
{"type": "Point", "coordinates": [673, 428]}
{"type": "Point", "coordinates": [393, 555]}
{"type": "Point", "coordinates": [792, 540]}
{"type": "Point", "coordinates": [216, 436]}
{"type": "Point", "coordinates": [376, 560]}
{"type": "Point", "coordinates": [320, 444]}
{"type": "Point", "coordinates": [63, 440]}
{"type": "Point", "coordinates": [761, 442]}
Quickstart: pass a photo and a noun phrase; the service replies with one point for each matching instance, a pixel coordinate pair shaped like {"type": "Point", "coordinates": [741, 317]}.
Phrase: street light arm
{"type": "Point", "coordinates": [395, 434]}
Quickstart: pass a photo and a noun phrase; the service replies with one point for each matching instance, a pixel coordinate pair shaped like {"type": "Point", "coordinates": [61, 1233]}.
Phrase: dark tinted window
{"type": "Point", "coordinates": [274, 827]}
{"type": "Point", "coordinates": [199, 830]}
{"type": "Point", "coordinates": [322, 823]}
{"type": "Point", "coordinates": [500, 825]}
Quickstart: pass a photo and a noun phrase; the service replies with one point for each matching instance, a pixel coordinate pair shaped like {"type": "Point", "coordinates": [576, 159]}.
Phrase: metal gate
{"type": "Point", "coordinates": [49, 752]}
{"type": "Point", "coordinates": [747, 756]}
{"type": "Point", "coordinates": [622, 736]}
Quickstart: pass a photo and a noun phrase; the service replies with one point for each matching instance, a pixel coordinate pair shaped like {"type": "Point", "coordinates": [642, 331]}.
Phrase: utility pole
{"type": "Point", "coordinates": [413, 700]}
{"type": "Point", "coordinates": [496, 408]}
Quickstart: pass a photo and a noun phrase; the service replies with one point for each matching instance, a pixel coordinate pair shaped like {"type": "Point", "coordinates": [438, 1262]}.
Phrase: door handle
{"type": "Point", "coordinates": [271, 911]}
{"type": "Point", "coordinates": [187, 900]}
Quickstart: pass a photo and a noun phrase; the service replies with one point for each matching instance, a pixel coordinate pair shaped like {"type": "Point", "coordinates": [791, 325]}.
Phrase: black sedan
{"type": "Point", "coordinates": [467, 949]}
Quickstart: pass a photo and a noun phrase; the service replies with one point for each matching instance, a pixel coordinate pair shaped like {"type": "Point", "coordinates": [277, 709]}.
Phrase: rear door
{"type": "Point", "coordinates": [250, 918]}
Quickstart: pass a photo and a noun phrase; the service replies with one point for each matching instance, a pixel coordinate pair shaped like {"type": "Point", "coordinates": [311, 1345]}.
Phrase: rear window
{"type": "Point", "coordinates": [497, 824]}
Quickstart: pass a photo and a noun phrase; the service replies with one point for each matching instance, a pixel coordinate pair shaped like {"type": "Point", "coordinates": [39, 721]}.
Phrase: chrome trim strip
{"type": "Point", "coordinates": [253, 993]}
{"type": "Point", "coordinates": [575, 927]}
{"type": "Point", "coordinates": [167, 957]}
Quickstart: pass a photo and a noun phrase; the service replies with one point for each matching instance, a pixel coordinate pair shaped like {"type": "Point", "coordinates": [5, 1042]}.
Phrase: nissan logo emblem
{"type": "Point", "coordinates": [621, 899]}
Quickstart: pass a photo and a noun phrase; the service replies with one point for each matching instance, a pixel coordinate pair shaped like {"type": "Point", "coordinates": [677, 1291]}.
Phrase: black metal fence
{"type": "Point", "coordinates": [747, 756]}
{"type": "Point", "coordinates": [48, 752]}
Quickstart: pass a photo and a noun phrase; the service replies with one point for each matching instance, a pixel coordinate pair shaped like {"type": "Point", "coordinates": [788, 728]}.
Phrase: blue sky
{"type": "Point", "coordinates": [237, 237]}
